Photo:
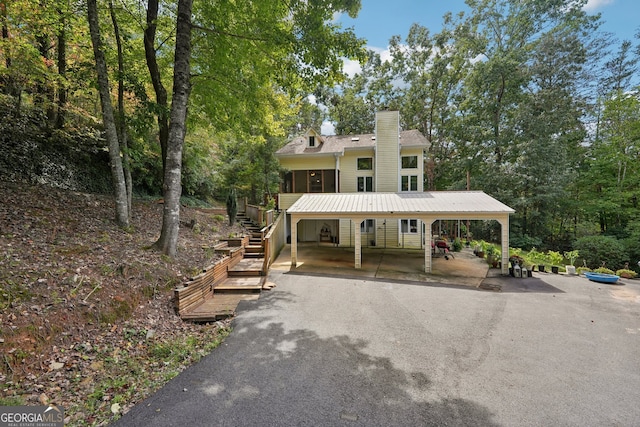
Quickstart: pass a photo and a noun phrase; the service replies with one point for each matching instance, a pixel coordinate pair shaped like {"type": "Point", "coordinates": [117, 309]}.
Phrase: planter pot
{"type": "Point", "coordinates": [541, 268]}
{"type": "Point", "coordinates": [555, 269]}
{"type": "Point", "coordinates": [571, 269]}
{"type": "Point", "coordinates": [480, 254]}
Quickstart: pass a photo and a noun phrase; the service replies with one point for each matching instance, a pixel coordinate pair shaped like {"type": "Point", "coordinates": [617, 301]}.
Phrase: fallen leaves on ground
{"type": "Point", "coordinates": [82, 299]}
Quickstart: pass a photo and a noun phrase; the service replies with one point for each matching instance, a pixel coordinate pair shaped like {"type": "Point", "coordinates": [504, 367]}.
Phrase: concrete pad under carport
{"type": "Point", "coordinates": [464, 268]}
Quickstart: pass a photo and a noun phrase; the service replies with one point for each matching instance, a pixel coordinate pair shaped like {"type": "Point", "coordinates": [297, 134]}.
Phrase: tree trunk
{"type": "Point", "coordinates": [62, 72]}
{"type": "Point", "coordinates": [122, 124]}
{"type": "Point", "coordinates": [156, 80]}
{"type": "Point", "coordinates": [168, 241]}
{"type": "Point", "coordinates": [122, 211]}
{"type": "Point", "coordinates": [9, 84]}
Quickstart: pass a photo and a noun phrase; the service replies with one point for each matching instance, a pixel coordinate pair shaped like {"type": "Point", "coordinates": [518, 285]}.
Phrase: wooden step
{"type": "Point", "coordinates": [244, 284]}
{"type": "Point", "coordinates": [246, 273]}
{"type": "Point", "coordinates": [252, 249]}
{"type": "Point", "coordinates": [218, 307]}
{"type": "Point", "coordinates": [254, 255]}
{"type": "Point", "coordinates": [246, 265]}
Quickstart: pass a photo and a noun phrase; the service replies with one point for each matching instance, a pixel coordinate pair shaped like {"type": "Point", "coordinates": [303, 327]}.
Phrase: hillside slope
{"type": "Point", "coordinates": [87, 318]}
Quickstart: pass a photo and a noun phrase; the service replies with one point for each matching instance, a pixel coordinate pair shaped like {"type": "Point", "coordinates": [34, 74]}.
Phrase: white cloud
{"type": "Point", "coordinates": [593, 5]}
{"type": "Point", "coordinates": [385, 53]}
{"type": "Point", "coordinates": [327, 128]}
{"type": "Point", "coordinates": [351, 67]}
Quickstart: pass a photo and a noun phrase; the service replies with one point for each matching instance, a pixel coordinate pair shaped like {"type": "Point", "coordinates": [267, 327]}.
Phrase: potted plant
{"type": "Point", "coordinates": [554, 258]}
{"type": "Point", "coordinates": [571, 256]}
{"type": "Point", "coordinates": [537, 258]}
{"type": "Point", "coordinates": [492, 255]}
{"type": "Point", "coordinates": [481, 248]}
{"type": "Point", "coordinates": [626, 273]}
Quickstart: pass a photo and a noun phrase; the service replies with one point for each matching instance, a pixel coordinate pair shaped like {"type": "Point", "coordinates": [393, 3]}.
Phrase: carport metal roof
{"type": "Point", "coordinates": [459, 204]}
{"type": "Point", "coordinates": [426, 206]}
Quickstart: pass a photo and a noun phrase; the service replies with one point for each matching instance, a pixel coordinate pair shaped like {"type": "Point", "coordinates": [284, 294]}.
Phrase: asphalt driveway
{"type": "Point", "coordinates": [320, 350]}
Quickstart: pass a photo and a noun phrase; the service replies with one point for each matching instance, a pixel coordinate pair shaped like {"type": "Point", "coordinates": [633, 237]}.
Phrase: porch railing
{"type": "Point", "coordinates": [260, 215]}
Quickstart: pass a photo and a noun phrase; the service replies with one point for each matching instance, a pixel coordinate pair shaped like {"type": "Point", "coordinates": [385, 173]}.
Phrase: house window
{"type": "Point", "coordinates": [365, 184]}
{"type": "Point", "coordinates": [409, 162]}
{"type": "Point", "coordinates": [365, 163]}
{"type": "Point", "coordinates": [409, 183]}
{"type": "Point", "coordinates": [409, 226]}
{"type": "Point", "coordinates": [312, 141]}
{"type": "Point", "coordinates": [367, 226]}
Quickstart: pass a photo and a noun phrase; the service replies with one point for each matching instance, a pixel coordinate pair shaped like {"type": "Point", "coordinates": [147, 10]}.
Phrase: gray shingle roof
{"type": "Point", "coordinates": [337, 144]}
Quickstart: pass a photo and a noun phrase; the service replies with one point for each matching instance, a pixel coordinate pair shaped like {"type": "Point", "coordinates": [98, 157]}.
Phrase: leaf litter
{"type": "Point", "coordinates": [87, 317]}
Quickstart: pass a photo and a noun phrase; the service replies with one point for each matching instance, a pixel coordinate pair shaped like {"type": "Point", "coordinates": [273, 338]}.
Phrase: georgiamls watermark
{"type": "Point", "coordinates": [31, 416]}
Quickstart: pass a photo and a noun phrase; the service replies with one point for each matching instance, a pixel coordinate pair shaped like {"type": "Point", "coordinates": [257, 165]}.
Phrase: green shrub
{"type": "Point", "coordinates": [632, 247]}
{"type": "Point", "coordinates": [535, 257]}
{"type": "Point", "coordinates": [627, 274]}
{"type": "Point", "coordinates": [457, 245]}
{"type": "Point", "coordinates": [603, 270]}
{"type": "Point", "coordinates": [596, 250]}
{"type": "Point", "coordinates": [525, 242]}
{"type": "Point", "coordinates": [582, 270]}
{"type": "Point", "coordinates": [554, 258]}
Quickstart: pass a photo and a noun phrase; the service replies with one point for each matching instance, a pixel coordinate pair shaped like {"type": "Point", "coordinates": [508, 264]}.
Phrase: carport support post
{"type": "Point", "coordinates": [504, 223]}
{"type": "Point", "coordinates": [294, 241]}
{"type": "Point", "coordinates": [358, 242]}
{"type": "Point", "coordinates": [427, 244]}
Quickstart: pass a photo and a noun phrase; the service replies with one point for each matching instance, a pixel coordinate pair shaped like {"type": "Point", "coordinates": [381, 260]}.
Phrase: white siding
{"type": "Point", "coordinates": [285, 200]}
{"type": "Point", "coordinates": [308, 163]}
{"type": "Point", "coordinates": [419, 171]}
{"type": "Point", "coordinates": [349, 170]}
{"type": "Point", "coordinates": [387, 151]}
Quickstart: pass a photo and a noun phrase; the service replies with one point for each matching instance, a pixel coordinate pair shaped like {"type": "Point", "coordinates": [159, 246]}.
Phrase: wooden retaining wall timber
{"type": "Point", "coordinates": [197, 289]}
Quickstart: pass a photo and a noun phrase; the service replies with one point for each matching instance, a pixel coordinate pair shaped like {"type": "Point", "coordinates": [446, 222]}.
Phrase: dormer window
{"type": "Point", "coordinates": [312, 141]}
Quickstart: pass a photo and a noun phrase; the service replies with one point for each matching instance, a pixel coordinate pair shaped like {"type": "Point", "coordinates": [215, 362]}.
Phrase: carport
{"type": "Point", "coordinates": [428, 207]}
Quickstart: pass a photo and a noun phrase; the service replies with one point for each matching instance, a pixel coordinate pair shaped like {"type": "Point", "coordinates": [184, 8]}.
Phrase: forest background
{"type": "Point", "coordinates": [527, 101]}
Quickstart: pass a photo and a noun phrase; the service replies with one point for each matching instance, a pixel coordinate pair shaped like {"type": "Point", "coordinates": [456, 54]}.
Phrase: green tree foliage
{"type": "Point", "coordinates": [510, 96]}
{"type": "Point", "coordinates": [432, 67]}
{"type": "Point", "coordinates": [612, 178]}
{"type": "Point", "coordinates": [304, 115]}
{"type": "Point", "coordinates": [596, 250]}
{"type": "Point", "coordinates": [249, 166]}
{"type": "Point", "coordinates": [352, 105]}
{"type": "Point", "coordinates": [522, 111]}
{"type": "Point", "coordinates": [247, 54]}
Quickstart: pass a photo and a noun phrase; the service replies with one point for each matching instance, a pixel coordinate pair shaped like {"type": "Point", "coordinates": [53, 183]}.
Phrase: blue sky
{"type": "Point", "coordinates": [378, 20]}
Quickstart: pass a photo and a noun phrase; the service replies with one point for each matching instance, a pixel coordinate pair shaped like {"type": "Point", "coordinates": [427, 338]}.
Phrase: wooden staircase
{"type": "Point", "coordinates": [241, 280]}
